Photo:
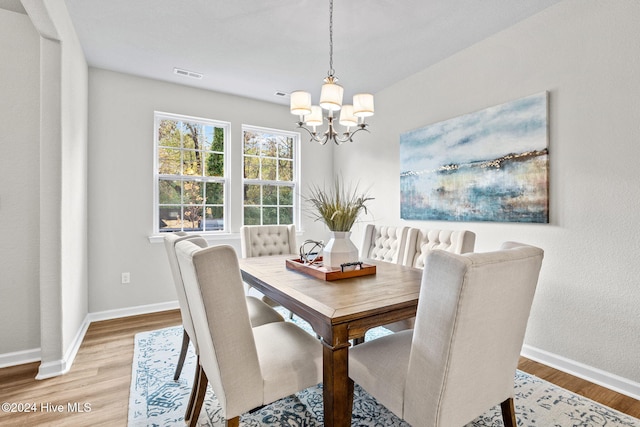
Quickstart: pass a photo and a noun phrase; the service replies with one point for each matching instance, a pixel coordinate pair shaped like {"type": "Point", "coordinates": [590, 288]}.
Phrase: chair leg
{"type": "Point", "coordinates": [183, 354]}
{"type": "Point", "coordinates": [233, 422]}
{"type": "Point", "coordinates": [508, 413]}
{"type": "Point", "coordinates": [199, 400]}
{"type": "Point", "coordinates": [194, 389]}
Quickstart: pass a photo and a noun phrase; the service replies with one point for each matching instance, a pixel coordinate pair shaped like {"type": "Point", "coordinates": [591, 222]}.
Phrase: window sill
{"type": "Point", "coordinates": [209, 237]}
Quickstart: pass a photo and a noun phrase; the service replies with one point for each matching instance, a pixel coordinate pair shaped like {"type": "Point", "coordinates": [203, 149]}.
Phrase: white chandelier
{"type": "Point", "coordinates": [351, 116]}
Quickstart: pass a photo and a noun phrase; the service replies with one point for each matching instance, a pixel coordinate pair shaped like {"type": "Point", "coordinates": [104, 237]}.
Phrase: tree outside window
{"type": "Point", "coordinates": [270, 178]}
{"type": "Point", "coordinates": [190, 173]}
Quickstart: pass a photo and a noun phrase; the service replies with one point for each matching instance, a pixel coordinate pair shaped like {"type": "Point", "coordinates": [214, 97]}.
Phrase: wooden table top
{"type": "Point", "coordinates": [392, 287]}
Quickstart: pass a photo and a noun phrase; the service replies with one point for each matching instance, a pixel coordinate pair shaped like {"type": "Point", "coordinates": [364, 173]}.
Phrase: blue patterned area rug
{"type": "Point", "coordinates": [156, 400]}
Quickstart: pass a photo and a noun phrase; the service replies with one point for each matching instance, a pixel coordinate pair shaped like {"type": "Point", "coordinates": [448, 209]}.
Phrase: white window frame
{"type": "Point", "coordinates": [296, 170]}
{"type": "Point", "coordinates": [158, 117]}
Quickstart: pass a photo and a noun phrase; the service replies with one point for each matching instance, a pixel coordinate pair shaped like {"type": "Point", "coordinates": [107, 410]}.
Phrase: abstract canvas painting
{"type": "Point", "coordinates": [491, 165]}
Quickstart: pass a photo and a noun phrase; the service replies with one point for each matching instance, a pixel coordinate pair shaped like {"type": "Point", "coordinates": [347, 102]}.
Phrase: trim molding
{"type": "Point", "coordinates": [586, 372]}
{"type": "Point", "coordinates": [19, 357]}
{"type": "Point", "coordinates": [132, 311]}
{"type": "Point", "coordinates": [62, 366]}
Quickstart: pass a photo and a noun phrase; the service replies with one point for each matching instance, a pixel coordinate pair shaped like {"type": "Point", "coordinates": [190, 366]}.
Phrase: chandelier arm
{"type": "Point", "coordinates": [313, 135]}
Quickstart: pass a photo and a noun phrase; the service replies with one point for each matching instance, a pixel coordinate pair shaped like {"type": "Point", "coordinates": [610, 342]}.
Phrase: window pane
{"type": "Point", "coordinates": [269, 169]}
{"type": "Point", "coordinates": [214, 192]}
{"type": "Point", "coordinates": [251, 167]}
{"type": "Point", "coordinates": [170, 219]}
{"type": "Point", "coordinates": [252, 194]}
{"type": "Point", "coordinates": [251, 216]}
{"type": "Point", "coordinates": [192, 137]}
{"type": "Point", "coordinates": [207, 137]}
{"type": "Point", "coordinates": [192, 218]}
{"type": "Point", "coordinates": [214, 164]}
{"type": "Point", "coordinates": [191, 162]}
{"type": "Point", "coordinates": [269, 216]}
{"type": "Point", "coordinates": [269, 146]}
{"type": "Point", "coordinates": [286, 215]}
{"type": "Point", "coordinates": [214, 218]}
{"type": "Point", "coordinates": [169, 192]}
{"type": "Point", "coordinates": [168, 134]}
{"type": "Point", "coordinates": [285, 148]}
{"type": "Point", "coordinates": [285, 170]}
{"type": "Point", "coordinates": [251, 144]}
{"type": "Point", "coordinates": [218, 140]}
{"type": "Point", "coordinates": [286, 195]}
{"type": "Point", "coordinates": [269, 195]}
{"type": "Point", "coordinates": [193, 193]}
{"type": "Point", "coordinates": [168, 161]}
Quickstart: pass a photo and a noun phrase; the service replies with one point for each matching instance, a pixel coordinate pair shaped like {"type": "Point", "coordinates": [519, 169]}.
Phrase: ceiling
{"type": "Point", "coordinates": [255, 48]}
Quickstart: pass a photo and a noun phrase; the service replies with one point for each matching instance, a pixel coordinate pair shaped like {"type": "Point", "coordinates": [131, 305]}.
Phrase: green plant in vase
{"type": "Point", "coordinates": [338, 207]}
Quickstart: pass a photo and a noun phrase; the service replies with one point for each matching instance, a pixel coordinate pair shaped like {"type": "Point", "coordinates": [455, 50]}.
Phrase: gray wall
{"type": "Point", "coordinates": [45, 89]}
{"type": "Point", "coordinates": [121, 179]}
{"type": "Point", "coordinates": [19, 192]}
{"type": "Point", "coordinates": [585, 53]}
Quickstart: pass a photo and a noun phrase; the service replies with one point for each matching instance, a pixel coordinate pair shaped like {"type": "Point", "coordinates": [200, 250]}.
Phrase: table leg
{"type": "Point", "coordinates": [337, 386]}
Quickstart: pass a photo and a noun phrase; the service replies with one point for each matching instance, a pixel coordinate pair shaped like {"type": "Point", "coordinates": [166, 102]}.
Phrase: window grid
{"type": "Point", "coordinates": [269, 176]}
{"type": "Point", "coordinates": [191, 195]}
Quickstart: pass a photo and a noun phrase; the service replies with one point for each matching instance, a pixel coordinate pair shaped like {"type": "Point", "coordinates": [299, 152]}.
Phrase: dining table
{"type": "Point", "coordinates": [339, 311]}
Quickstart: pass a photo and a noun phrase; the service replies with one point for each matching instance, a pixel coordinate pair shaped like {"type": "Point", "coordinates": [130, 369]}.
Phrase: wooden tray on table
{"type": "Point", "coordinates": [319, 271]}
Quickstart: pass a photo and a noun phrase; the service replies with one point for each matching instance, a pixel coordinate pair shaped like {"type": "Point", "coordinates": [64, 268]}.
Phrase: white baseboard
{"type": "Point", "coordinates": [62, 366]}
{"type": "Point", "coordinates": [580, 370]}
{"type": "Point", "coordinates": [19, 357]}
{"type": "Point", "coordinates": [133, 311]}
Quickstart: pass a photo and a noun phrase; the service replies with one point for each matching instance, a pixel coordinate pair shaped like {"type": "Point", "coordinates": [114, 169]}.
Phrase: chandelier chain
{"type": "Point", "coordinates": [331, 100]}
{"type": "Point", "coordinates": [331, 70]}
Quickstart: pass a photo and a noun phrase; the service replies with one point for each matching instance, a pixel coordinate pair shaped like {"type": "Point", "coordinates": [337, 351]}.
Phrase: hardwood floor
{"type": "Point", "coordinates": [101, 376]}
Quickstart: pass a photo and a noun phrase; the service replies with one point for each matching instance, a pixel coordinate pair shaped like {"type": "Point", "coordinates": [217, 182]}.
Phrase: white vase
{"type": "Point", "coordinates": [339, 250]}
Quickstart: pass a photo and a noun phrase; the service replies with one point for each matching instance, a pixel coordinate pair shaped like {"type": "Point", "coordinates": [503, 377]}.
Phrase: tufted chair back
{"type": "Point", "coordinates": [384, 243]}
{"type": "Point", "coordinates": [461, 358]}
{"type": "Point", "coordinates": [421, 242]}
{"type": "Point", "coordinates": [265, 240]}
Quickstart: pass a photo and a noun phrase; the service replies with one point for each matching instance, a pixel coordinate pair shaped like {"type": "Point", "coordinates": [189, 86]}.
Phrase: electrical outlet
{"type": "Point", "coordinates": [126, 278]}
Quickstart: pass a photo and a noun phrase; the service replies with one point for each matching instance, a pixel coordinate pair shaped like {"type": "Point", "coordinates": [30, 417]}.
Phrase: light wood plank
{"type": "Point", "coordinates": [101, 375]}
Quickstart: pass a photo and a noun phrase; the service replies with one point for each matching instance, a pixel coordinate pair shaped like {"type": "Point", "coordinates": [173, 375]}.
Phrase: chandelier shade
{"type": "Point", "coordinates": [315, 118]}
{"type": "Point", "coordinates": [331, 96]}
{"type": "Point", "coordinates": [363, 105]}
{"type": "Point", "coordinates": [347, 118]}
{"type": "Point", "coordinates": [300, 103]}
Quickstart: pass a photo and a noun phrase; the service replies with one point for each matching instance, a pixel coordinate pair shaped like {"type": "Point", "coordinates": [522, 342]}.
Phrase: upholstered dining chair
{"type": "Point", "coordinates": [460, 359]}
{"type": "Point", "coordinates": [246, 367]}
{"type": "Point", "coordinates": [384, 243]}
{"type": "Point", "coordinates": [422, 241]}
{"type": "Point", "coordinates": [265, 240]}
{"type": "Point", "coordinates": [259, 312]}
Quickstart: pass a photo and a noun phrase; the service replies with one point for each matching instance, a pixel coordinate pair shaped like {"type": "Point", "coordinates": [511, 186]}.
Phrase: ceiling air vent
{"type": "Point", "coordinates": [187, 73]}
{"type": "Point", "coordinates": [280, 93]}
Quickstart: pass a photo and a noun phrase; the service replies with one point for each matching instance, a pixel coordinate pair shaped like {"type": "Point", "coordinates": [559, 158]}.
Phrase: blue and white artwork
{"type": "Point", "coordinates": [491, 165]}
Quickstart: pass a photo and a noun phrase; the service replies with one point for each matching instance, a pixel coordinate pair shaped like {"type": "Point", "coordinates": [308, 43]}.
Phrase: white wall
{"type": "Point", "coordinates": [19, 159]}
{"type": "Point", "coordinates": [586, 54]}
{"type": "Point", "coordinates": [73, 209]}
{"type": "Point", "coordinates": [121, 179]}
{"type": "Point", "coordinates": [46, 92]}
